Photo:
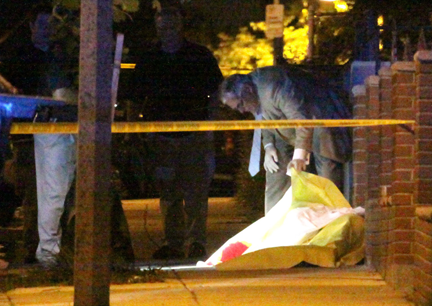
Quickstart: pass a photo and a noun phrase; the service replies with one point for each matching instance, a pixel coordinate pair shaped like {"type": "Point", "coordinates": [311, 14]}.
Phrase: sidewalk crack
{"type": "Point", "coordinates": [4, 298]}
{"type": "Point", "coordinates": [192, 293]}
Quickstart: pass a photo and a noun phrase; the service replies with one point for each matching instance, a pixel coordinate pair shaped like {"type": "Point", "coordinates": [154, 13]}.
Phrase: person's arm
{"type": "Point", "coordinates": [138, 89]}
{"type": "Point", "coordinates": [292, 105]}
{"type": "Point", "coordinates": [268, 137]}
{"type": "Point", "coordinates": [213, 78]}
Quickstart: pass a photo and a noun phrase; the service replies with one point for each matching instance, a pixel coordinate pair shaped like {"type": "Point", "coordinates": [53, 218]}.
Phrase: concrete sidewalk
{"type": "Point", "coordinates": [297, 286]}
{"type": "Point", "coordinates": [225, 219]}
{"type": "Point", "coordinates": [206, 286]}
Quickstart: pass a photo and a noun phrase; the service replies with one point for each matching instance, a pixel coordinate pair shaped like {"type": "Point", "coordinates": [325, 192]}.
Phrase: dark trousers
{"type": "Point", "coordinates": [184, 170]}
{"type": "Point", "coordinates": [25, 188]}
{"type": "Point", "coordinates": [278, 183]}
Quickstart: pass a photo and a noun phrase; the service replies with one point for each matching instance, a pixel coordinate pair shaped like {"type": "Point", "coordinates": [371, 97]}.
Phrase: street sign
{"type": "Point", "coordinates": [274, 20]}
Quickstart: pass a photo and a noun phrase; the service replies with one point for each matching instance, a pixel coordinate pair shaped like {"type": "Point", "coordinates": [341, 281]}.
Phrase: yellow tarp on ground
{"type": "Point", "coordinates": [313, 222]}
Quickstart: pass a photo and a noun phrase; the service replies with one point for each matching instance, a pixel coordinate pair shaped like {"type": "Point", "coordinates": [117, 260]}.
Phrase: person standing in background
{"type": "Point", "coordinates": [54, 153]}
{"type": "Point", "coordinates": [36, 67]}
{"type": "Point", "coordinates": [177, 80]}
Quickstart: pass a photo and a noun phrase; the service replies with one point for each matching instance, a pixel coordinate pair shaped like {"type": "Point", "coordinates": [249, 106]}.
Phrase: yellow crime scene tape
{"type": "Point", "coordinates": [127, 66]}
{"type": "Point", "coordinates": [190, 126]}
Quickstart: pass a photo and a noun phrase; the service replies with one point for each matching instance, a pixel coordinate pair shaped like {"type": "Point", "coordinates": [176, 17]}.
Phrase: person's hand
{"type": "Point", "coordinates": [298, 164]}
{"type": "Point", "coordinates": [271, 159]}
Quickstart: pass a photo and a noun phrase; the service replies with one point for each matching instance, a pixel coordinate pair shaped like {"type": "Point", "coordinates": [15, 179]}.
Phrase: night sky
{"type": "Point", "coordinates": [13, 11]}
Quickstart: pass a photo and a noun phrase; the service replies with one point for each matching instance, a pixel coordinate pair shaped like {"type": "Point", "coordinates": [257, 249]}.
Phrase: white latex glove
{"type": "Point", "coordinates": [271, 159]}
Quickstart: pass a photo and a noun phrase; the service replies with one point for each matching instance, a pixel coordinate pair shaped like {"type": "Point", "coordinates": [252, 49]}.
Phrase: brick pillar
{"type": "Point", "coordinates": [386, 137]}
{"type": "Point", "coordinates": [401, 225]}
{"type": "Point", "coordinates": [373, 161]}
{"type": "Point", "coordinates": [376, 220]}
{"type": "Point", "coordinates": [379, 163]}
{"type": "Point", "coordinates": [360, 164]}
{"type": "Point", "coordinates": [423, 117]}
{"type": "Point", "coordinates": [359, 148]}
{"type": "Point", "coordinates": [423, 178]}
{"type": "Point", "coordinates": [380, 214]}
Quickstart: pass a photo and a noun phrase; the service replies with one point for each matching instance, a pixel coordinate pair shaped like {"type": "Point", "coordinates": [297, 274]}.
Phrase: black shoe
{"type": "Point", "coordinates": [167, 252]}
{"type": "Point", "coordinates": [197, 250]}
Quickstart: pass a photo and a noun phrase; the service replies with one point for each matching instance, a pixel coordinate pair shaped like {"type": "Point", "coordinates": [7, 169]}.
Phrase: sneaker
{"type": "Point", "coordinates": [197, 250]}
{"type": "Point", "coordinates": [167, 252]}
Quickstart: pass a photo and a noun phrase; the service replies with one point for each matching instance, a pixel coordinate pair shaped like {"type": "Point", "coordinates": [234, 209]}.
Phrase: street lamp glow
{"type": "Point", "coordinates": [341, 6]}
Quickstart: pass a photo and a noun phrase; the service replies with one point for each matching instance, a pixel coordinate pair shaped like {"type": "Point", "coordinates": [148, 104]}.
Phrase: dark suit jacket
{"type": "Point", "coordinates": [286, 93]}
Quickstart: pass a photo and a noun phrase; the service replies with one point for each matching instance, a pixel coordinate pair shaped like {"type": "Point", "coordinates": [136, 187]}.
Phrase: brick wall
{"type": "Point", "coordinates": [372, 146]}
{"type": "Point", "coordinates": [423, 116]}
{"type": "Point", "coordinates": [401, 234]}
{"type": "Point", "coordinates": [386, 137]}
{"type": "Point", "coordinates": [423, 262]}
{"type": "Point", "coordinates": [359, 148]}
{"type": "Point", "coordinates": [392, 176]}
{"type": "Point", "coordinates": [423, 179]}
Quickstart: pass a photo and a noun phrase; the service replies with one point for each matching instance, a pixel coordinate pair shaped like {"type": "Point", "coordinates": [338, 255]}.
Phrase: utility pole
{"type": "Point", "coordinates": [278, 45]}
{"type": "Point", "coordinates": [275, 27]}
{"type": "Point", "coordinates": [311, 30]}
{"type": "Point", "coordinates": [93, 198]}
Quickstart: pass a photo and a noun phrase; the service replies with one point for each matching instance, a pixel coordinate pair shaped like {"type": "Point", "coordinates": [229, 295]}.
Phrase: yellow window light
{"type": "Point", "coordinates": [380, 20]}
